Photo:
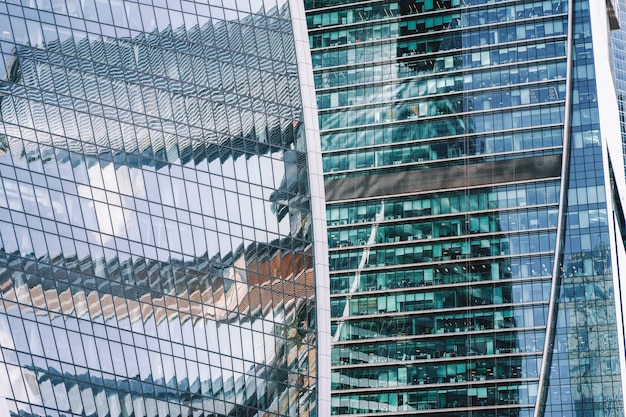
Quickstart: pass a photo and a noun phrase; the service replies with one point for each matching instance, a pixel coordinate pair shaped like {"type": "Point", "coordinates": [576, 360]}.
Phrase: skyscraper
{"type": "Point", "coordinates": [474, 183]}
{"type": "Point", "coordinates": [618, 43]}
{"type": "Point", "coordinates": [160, 195]}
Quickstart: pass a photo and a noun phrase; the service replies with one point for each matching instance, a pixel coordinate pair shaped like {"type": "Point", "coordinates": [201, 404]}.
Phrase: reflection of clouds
{"type": "Point", "coordinates": [220, 215]}
{"type": "Point", "coordinates": [159, 265]}
{"type": "Point", "coordinates": [239, 213]}
{"type": "Point", "coordinates": [233, 329]}
{"type": "Point", "coordinates": [139, 116]}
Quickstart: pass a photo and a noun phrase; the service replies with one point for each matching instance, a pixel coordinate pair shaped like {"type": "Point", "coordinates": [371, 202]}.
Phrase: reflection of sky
{"type": "Point", "coordinates": [154, 210]}
{"type": "Point", "coordinates": [211, 343]}
{"type": "Point", "coordinates": [112, 103]}
{"type": "Point", "coordinates": [223, 354]}
{"type": "Point", "coordinates": [228, 217]}
{"type": "Point", "coordinates": [214, 205]}
{"type": "Point", "coordinates": [129, 18]}
{"type": "Point", "coordinates": [153, 146]}
{"type": "Point", "coordinates": [139, 92]}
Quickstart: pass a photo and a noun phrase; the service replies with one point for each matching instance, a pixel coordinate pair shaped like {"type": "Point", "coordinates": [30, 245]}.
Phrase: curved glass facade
{"type": "Point", "coordinates": [469, 208]}
{"type": "Point", "coordinates": [156, 227]}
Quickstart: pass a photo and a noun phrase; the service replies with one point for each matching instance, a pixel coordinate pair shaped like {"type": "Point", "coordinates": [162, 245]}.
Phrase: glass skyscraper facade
{"type": "Point", "coordinates": [160, 194]}
{"type": "Point", "coordinates": [474, 207]}
{"type": "Point", "coordinates": [618, 42]}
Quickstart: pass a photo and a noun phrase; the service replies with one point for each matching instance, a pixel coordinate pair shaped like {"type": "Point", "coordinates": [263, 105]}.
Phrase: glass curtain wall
{"type": "Point", "coordinates": [442, 125]}
{"type": "Point", "coordinates": [155, 228]}
{"type": "Point", "coordinates": [618, 42]}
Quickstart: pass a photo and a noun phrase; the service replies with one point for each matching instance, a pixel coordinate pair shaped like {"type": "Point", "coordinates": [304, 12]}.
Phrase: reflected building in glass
{"type": "Point", "coordinates": [160, 196]}
{"type": "Point", "coordinates": [474, 182]}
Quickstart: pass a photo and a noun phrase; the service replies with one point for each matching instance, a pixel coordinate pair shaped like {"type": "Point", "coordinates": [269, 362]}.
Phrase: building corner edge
{"type": "Point", "coordinates": [318, 203]}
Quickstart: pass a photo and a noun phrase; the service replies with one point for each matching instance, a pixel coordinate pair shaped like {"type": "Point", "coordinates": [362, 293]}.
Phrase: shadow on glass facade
{"type": "Point", "coordinates": [156, 232]}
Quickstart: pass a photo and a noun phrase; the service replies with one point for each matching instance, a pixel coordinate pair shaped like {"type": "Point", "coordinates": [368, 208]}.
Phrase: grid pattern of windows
{"type": "Point", "coordinates": [441, 288]}
{"type": "Point", "coordinates": [618, 42]}
{"type": "Point", "coordinates": [584, 371]}
{"type": "Point", "coordinates": [156, 250]}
